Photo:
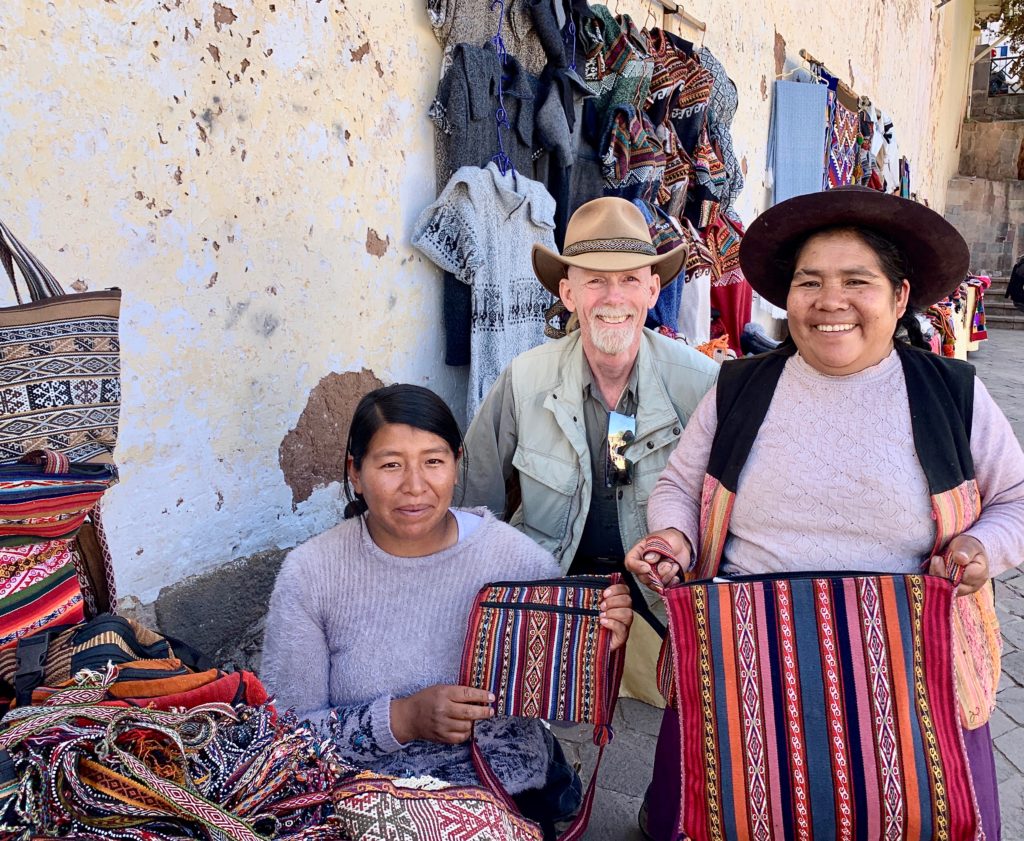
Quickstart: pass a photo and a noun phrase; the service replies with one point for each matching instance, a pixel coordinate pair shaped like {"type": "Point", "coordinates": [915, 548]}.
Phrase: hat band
{"type": "Point", "coordinates": [625, 245]}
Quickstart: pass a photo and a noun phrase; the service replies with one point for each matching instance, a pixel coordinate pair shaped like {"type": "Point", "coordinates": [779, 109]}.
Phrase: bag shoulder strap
{"type": "Point", "coordinates": [603, 734]}
{"type": "Point", "coordinates": [41, 284]}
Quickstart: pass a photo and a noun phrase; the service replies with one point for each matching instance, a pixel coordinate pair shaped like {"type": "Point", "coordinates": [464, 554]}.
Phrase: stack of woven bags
{"type": "Point", "coordinates": [110, 729]}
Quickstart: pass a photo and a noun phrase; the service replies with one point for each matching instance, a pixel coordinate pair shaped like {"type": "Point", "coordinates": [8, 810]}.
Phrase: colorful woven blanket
{"type": "Point", "coordinates": [843, 147]}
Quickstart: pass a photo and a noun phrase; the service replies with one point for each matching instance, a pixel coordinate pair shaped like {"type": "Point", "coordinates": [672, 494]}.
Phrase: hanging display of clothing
{"type": "Point", "coordinates": [482, 229]}
{"type": "Point", "coordinates": [796, 140]}
{"type": "Point", "coordinates": [843, 146]}
{"type": "Point", "coordinates": [475, 22]}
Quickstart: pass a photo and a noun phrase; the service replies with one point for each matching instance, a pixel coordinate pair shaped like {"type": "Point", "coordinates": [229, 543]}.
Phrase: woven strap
{"type": "Point", "coordinates": [51, 460]}
{"type": "Point", "coordinates": [41, 284]}
{"type": "Point", "coordinates": [108, 561]}
{"type": "Point", "coordinates": [660, 547]}
{"type": "Point", "coordinates": [602, 736]}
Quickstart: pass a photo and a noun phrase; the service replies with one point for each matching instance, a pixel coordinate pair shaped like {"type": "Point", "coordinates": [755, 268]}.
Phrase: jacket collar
{"type": "Point", "coordinates": [654, 407]}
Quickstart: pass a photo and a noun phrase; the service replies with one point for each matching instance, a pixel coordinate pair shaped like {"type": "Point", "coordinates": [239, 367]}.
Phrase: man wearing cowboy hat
{"type": "Point", "coordinates": [587, 423]}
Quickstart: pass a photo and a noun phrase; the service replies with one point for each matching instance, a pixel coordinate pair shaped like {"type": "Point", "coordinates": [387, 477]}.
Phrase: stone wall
{"type": "Point", "coordinates": [985, 108]}
{"type": "Point", "coordinates": [990, 215]}
{"type": "Point", "coordinates": [993, 150]}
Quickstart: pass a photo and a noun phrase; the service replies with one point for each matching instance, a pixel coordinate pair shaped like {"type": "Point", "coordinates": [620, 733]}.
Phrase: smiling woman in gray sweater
{"type": "Point", "coordinates": [367, 620]}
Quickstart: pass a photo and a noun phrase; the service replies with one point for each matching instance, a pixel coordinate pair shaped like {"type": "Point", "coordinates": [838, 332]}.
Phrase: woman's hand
{"type": "Point", "coordinates": [965, 551]}
{"type": "Point", "coordinates": [617, 613]}
{"type": "Point", "coordinates": [639, 562]}
{"type": "Point", "coordinates": [440, 713]}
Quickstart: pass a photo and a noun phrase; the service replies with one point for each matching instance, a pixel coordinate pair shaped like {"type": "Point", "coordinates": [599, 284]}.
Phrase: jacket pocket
{"type": "Point", "coordinates": [548, 487]}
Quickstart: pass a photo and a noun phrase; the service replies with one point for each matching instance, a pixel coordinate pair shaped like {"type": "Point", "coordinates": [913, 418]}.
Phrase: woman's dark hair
{"type": "Point", "coordinates": [894, 265]}
{"type": "Point", "coordinates": [411, 405]}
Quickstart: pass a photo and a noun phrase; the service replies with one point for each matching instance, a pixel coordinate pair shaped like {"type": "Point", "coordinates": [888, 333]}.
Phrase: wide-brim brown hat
{"type": "Point", "coordinates": [938, 258]}
{"type": "Point", "coordinates": [606, 235]}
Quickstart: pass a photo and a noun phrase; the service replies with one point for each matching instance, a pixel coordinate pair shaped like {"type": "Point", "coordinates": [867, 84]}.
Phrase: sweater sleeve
{"type": "Point", "coordinates": [675, 500]}
{"type": "Point", "coordinates": [999, 468]}
{"type": "Point", "coordinates": [296, 668]}
{"type": "Point", "coordinates": [296, 660]}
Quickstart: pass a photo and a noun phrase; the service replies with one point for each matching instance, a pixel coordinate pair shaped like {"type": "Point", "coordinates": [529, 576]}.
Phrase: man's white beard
{"type": "Point", "coordinates": [609, 339]}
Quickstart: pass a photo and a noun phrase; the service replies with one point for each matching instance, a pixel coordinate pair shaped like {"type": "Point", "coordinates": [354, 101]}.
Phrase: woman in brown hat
{"type": "Point", "coordinates": [841, 446]}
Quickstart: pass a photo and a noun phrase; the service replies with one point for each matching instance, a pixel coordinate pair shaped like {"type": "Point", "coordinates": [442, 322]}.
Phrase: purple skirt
{"type": "Point", "coordinates": [663, 793]}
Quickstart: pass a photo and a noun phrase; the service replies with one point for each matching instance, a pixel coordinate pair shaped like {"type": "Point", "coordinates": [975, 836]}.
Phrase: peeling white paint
{"type": "Point", "coordinates": [139, 156]}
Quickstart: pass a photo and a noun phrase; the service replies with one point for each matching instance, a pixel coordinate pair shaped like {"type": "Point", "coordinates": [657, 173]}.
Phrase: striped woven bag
{"type": "Point", "coordinates": [819, 707]}
{"type": "Point", "coordinates": [539, 647]}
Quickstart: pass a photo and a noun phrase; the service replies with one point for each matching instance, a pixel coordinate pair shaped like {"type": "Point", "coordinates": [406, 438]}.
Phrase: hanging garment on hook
{"type": "Point", "coordinates": [721, 110]}
{"type": "Point", "coordinates": [633, 158]}
{"type": "Point", "coordinates": [464, 110]}
{"type": "Point", "coordinates": [559, 134]}
{"type": "Point", "coordinates": [465, 135]}
{"type": "Point", "coordinates": [615, 68]}
{"type": "Point", "coordinates": [482, 229]}
{"type": "Point", "coordinates": [474, 22]}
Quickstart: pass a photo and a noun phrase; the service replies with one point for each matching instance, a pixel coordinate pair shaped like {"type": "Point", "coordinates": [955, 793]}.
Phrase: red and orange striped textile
{"type": "Point", "coordinates": [39, 588]}
{"type": "Point", "coordinates": [540, 648]}
{"type": "Point", "coordinates": [45, 497]}
{"type": "Point", "coordinates": [813, 708]}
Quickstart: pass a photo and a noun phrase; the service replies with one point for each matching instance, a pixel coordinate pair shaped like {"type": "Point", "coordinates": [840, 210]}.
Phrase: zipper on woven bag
{"type": "Point", "coordinates": [545, 608]}
{"type": "Point", "coordinates": [601, 581]}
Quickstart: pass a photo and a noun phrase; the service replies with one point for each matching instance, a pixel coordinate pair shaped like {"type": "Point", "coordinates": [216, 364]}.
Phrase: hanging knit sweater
{"type": "Point", "coordinates": [482, 229]}
{"type": "Point", "coordinates": [833, 481]}
{"type": "Point", "coordinates": [350, 627]}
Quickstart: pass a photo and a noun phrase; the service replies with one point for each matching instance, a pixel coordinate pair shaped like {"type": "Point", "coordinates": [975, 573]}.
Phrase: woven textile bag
{"type": "Point", "coordinates": [60, 382]}
{"type": "Point", "coordinates": [44, 497]}
{"type": "Point", "coordinates": [819, 707]}
{"type": "Point", "coordinates": [374, 808]}
{"type": "Point", "coordinates": [53, 656]}
{"type": "Point", "coordinates": [539, 647]}
{"type": "Point", "coordinates": [39, 589]}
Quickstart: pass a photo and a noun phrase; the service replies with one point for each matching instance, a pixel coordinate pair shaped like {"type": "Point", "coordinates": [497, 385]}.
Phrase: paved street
{"type": "Point", "coordinates": [626, 769]}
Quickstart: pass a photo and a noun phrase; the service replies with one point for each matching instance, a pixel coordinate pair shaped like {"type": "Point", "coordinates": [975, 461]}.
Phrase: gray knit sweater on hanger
{"type": "Point", "coordinates": [350, 627]}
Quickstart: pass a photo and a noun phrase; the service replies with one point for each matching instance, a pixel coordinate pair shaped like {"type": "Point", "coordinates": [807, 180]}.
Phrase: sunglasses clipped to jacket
{"type": "Point", "coordinates": [621, 433]}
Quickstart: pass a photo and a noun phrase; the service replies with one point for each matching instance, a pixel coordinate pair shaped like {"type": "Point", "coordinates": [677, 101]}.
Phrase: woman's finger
{"type": "Point", "coordinates": [619, 630]}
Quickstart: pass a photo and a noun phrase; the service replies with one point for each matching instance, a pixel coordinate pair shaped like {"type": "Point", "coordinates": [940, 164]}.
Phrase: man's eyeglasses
{"type": "Point", "coordinates": [621, 433]}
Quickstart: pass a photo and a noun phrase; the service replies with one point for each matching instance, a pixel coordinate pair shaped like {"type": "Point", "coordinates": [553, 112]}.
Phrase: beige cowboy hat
{"type": "Point", "coordinates": [606, 235]}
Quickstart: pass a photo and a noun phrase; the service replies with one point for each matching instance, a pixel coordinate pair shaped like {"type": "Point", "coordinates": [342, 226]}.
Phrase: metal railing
{"type": "Point", "coordinates": [1003, 79]}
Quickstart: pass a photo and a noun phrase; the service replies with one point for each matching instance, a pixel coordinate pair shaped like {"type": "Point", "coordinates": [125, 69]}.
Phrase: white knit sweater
{"type": "Point", "coordinates": [482, 229]}
{"type": "Point", "coordinates": [350, 627]}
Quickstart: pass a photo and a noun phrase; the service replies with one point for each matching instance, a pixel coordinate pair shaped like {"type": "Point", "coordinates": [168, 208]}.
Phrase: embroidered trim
{"type": "Point", "coordinates": [626, 245]}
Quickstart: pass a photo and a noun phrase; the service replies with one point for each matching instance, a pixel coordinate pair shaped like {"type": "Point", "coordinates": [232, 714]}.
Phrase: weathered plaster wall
{"type": "Point", "coordinates": [248, 173]}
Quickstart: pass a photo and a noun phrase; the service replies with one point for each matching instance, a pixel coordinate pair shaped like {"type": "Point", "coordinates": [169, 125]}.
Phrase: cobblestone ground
{"type": "Point", "coordinates": [627, 764]}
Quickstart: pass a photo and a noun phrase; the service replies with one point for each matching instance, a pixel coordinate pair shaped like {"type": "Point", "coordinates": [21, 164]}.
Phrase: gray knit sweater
{"type": "Point", "coordinates": [351, 627]}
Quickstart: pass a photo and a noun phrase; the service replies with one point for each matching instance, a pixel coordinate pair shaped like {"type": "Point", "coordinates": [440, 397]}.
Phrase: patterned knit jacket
{"type": "Point", "coordinates": [482, 229]}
